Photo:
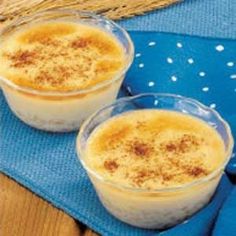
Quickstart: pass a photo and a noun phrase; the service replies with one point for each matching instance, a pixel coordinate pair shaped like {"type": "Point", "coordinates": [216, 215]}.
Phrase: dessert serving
{"type": "Point", "coordinates": [152, 168]}
{"type": "Point", "coordinates": [59, 66]}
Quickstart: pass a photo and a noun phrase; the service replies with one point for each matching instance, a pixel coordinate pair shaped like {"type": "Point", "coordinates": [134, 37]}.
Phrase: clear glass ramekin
{"type": "Point", "coordinates": [64, 111]}
{"type": "Point", "coordinates": [159, 208]}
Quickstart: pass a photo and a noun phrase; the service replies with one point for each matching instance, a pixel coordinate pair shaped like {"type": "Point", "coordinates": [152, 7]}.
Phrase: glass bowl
{"type": "Point", "coordinates": [163, 207]}
{"type": "Point", "coordinates": [64, 111]}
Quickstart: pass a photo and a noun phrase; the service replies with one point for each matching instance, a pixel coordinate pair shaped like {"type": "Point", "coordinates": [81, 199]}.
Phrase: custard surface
{"type": "Point", "coordinates": [153, 149]}
{"type": "Point", "coordinates": [60, 56]}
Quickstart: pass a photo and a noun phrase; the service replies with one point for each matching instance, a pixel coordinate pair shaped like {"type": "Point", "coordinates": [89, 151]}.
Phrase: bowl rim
{"type": "Point", "coordinates": [212, 175]}
{"type": "Point", "coordinates": [97, 86]}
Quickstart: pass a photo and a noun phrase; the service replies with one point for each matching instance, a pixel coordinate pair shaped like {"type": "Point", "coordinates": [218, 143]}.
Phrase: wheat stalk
{"type": "Point", "coordinates": [113, 9]}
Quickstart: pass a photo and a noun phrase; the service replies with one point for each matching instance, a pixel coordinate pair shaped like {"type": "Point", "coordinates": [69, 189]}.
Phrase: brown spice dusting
{"type": "Point", "coordinates": [179, 154]}
{"type": "Point", "coordinates": [188, 141]}
{"type": "Point", "coordinates": [142, 176]}
{"type": "Point", "coordinates": [111, 165]}
{"type": "Point", "coordinates": [114, 136]}
{"type": "Point", "coordinates": [79, 43]}
{"type": "Point", "coordinates": [22, 58]}
{"type": "Point", "coordinates": [48, 60]}
{"type": "Point", "coordinates": [196, 171]}
{"type": "Point", "coordinates": [182, 145]}
{"type": "Point", "coordinates": [63, 72]}
{"type": "Point", "coordinates": [176, 148]}
{"type": "Point", "coordinates": [167, 177]}
{"type": "Point", "coordinates": [145, 175]}
{"type": "Point", "coordinates": [170, 147]}
{"type": "Point", "coordinates": [45, 77]}
{"type": "Point", "coordinates": [141, 149]}
{"type": "Point", "coordinates": [173, 168]}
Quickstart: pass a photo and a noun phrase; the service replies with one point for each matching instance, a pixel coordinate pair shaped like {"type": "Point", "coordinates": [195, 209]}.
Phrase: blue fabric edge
{"type": "Point", "coordinates": [181, 35]}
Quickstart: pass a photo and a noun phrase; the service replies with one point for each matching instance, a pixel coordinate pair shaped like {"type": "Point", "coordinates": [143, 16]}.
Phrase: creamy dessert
{"type": "Point", "coordinates": [151, 149]}
{"type": "Point", "coordinates": [56, 73]}
{"type": "Point", "coordinates": [145, 165]}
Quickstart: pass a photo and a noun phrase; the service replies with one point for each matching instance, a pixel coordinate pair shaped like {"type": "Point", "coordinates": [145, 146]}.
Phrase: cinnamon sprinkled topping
{"type": "Point", "coordinates": [143, 175]}
{"type": "Point", "coordinates": [182, 145]}
{"type": "Point", "coordinates": [22, 58]}
{"type": "Point", "coordinates": [111, 165]}
{"type": "Point", "coordinates": [170, 147]}
{"type": "Point", "coordinates": [62, 57]}
{"type": "Point", "coordinates": [155, 149]}
{"type": "Point", "coordinates": [140, 148]}
{"type": "Point", "coordinates": [79, 43]}
{"type": "Point", "coordinates": [196, 171]}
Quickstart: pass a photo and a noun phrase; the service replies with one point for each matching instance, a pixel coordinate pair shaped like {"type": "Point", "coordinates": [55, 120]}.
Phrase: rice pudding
{"type": "Point", "coordinates": [152, 149]}
{"type": "Point", "coordinates": [57, 72]}
{"type": "Point", "coordinates": [140, 161]}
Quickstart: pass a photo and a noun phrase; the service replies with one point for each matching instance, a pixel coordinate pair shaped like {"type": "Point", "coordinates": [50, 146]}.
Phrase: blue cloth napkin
{"type": "Point", "coordinates": [225, 224]}
{"type": "Point", "coordinates": [204, 69]}
{"type": "Point", "coordinates": [47, 164]}
{"type": "Point", "coordinates": [209, 18]}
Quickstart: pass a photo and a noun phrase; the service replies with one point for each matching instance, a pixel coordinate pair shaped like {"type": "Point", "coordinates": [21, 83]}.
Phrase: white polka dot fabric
{"type": "Point", "coordinates": [204, 69]}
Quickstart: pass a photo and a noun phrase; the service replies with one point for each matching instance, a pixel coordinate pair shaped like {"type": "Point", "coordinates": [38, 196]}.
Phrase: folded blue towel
{"type": "Point", "coordinates": [47, 164]}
